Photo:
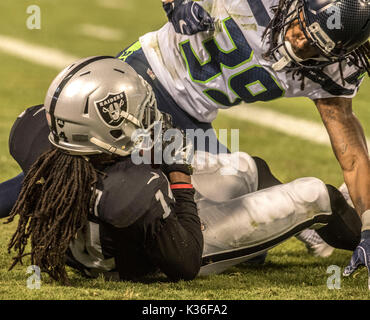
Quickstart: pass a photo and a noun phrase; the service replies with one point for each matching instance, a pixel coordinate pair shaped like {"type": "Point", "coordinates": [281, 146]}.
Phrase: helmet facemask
{"type": "Point", "coordinates": [333, 44]}
{"type": "Point", "coordinates": [283, 51]}
{"type": "Point", "coordinates": [150, 131]}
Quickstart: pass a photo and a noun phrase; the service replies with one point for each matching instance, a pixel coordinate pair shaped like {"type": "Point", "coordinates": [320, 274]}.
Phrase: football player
{"type": "Point", "coordinates": [248, 52]}
{"type": "Point", "coordinates": [83, 199]}
{"type": "Point", "coordinates": [218, 53]}
{"type": "Point", "coordinates": [85, 203]}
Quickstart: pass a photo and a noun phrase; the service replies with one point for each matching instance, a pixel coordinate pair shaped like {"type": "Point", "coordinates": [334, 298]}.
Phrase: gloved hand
{"type": "Point", "coordinates": [188, 17]}
{"type": "Point", "coordinates": [177, 150]}
{"type": "Point", "coordinates": [180, 161]}
{"type": "Point", "coordinates": [175, 167]}
{"type": "Point", "coordinates": [361, 256]}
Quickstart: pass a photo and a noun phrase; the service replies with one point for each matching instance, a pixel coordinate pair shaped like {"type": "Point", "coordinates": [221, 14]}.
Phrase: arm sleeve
{"type": "Point", "coordinates": [175, 243]}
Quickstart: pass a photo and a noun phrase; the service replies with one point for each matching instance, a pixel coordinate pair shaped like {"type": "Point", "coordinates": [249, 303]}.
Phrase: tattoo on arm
{"type": "Point", "coordinates": [349, 145]}
{"type": "Point", "coordinates": [344, 148]}
{"type": "Point", "coordinates": [330, 114]}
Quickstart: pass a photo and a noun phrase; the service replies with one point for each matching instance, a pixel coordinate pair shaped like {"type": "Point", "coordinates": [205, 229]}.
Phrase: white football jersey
{"type": "Point", "coordinates": [220, 69]}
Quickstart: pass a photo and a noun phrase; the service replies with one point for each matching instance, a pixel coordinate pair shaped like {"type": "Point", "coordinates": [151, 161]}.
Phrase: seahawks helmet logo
{"type": "Point", "coordinates": [112, 108]}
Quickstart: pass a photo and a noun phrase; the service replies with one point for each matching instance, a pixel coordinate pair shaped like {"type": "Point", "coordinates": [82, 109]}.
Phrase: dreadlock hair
{"type": "Point", "coordinates": [56, 197]}
{"type": "Point", "coordinates": [276, 24]}
{"type": "Point", "coordinates": [359, 57]}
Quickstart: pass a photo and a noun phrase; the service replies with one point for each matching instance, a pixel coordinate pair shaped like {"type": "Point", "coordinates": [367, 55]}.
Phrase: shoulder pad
{"type": "Point", "coordinates": [128, 192]}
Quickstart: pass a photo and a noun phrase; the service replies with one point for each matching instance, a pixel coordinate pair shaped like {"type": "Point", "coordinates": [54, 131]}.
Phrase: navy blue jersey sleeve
{"type": "Point", "coordinates": [173, 237]}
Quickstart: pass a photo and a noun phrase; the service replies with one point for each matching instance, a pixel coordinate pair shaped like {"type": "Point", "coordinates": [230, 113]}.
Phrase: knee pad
{"type": "Point", "coordinates": [311, 192]}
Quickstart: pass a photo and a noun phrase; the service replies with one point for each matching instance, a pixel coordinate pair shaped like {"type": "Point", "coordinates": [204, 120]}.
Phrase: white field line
{"type": "Point", "coordinates": [48, 57]}
{"type": "Point", "coordinates": [293, 126]}
{"type": "Point", "coordinates": [289, 125]}
{"type": "Point", "coordinates": [101, 32]}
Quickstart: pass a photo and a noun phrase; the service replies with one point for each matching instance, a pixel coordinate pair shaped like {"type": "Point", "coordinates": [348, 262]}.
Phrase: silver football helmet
{"type": "Point", "coordinates": [96, 104]}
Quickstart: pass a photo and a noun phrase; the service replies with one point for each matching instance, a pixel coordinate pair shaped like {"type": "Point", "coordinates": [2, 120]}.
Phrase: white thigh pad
{"type": "Point", "coordinates": [221, 177]}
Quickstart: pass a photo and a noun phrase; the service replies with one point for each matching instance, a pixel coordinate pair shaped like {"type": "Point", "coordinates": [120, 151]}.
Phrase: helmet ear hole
{"type": "Point", "coordinates": [116, 133]}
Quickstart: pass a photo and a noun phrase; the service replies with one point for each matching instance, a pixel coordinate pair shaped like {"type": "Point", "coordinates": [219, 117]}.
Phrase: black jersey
{"type": "Point", "coordinates": [138, 224]}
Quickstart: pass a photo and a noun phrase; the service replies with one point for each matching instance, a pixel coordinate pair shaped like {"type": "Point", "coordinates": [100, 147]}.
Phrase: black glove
{"type": "Point", "coordinates": [177, 151]}
{"type": "Point", "coordinates": [184, 168]}
{"type": "Point", "coordinates": [188, 17]}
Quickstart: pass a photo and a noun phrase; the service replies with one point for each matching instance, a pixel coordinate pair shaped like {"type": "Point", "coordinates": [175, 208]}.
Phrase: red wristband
{"type": "Point", "coordinates": [181, 186]}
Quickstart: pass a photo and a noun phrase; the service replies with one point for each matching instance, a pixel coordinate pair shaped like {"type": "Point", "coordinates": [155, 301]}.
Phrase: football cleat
{"type": "Point", "coordinates": [315, 245]}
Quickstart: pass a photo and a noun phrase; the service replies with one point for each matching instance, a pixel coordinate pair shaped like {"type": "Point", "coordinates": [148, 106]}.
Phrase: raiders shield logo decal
{"type": "Point", "coordinates": [111, 107]}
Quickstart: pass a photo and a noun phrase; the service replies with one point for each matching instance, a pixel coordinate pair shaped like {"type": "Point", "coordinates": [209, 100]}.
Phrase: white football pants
{"type": "Point", "coordinates": [240, 222]}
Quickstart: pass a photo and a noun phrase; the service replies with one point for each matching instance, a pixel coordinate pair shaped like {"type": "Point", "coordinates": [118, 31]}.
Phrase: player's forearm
{"type": "Point", "coordinates": [358, 174]}
{"type": "Point", "coordinates": [358, 182]}
{"type": "Point", "coordinates": [177, 246]}
{"type": "Point", "coordinates": [349, 145]}
{"type": "Point", "coordinates": [355, 163]}
{"type": "Point", "coordinates": [185, 206]}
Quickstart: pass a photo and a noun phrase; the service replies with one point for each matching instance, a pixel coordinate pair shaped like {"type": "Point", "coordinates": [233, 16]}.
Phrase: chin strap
{"type": "Point", "coordinates": [288, 56]}
{"type": "Point", "coordinates": [109, 147]}
{"type": "Point", "coordinates": [285, 48]}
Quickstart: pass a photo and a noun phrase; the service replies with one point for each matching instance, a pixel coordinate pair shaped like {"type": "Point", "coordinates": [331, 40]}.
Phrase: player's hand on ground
{"type": "Point", "coordinates": [360, 257]}
{"type": "Point", "coordinates": [188, 17]}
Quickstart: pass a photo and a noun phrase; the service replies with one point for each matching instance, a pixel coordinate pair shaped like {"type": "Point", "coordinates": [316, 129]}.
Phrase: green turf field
{"type": "Point", "coordinates": [289, 272]}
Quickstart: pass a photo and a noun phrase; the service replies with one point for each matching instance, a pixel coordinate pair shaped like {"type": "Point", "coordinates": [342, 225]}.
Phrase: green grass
{"type": "Point", "coordinates": [289, 272]}
{"type": "Point", "coordinates": [305, 108]}
{"type": "Point", "coordinates": [288, 158]}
